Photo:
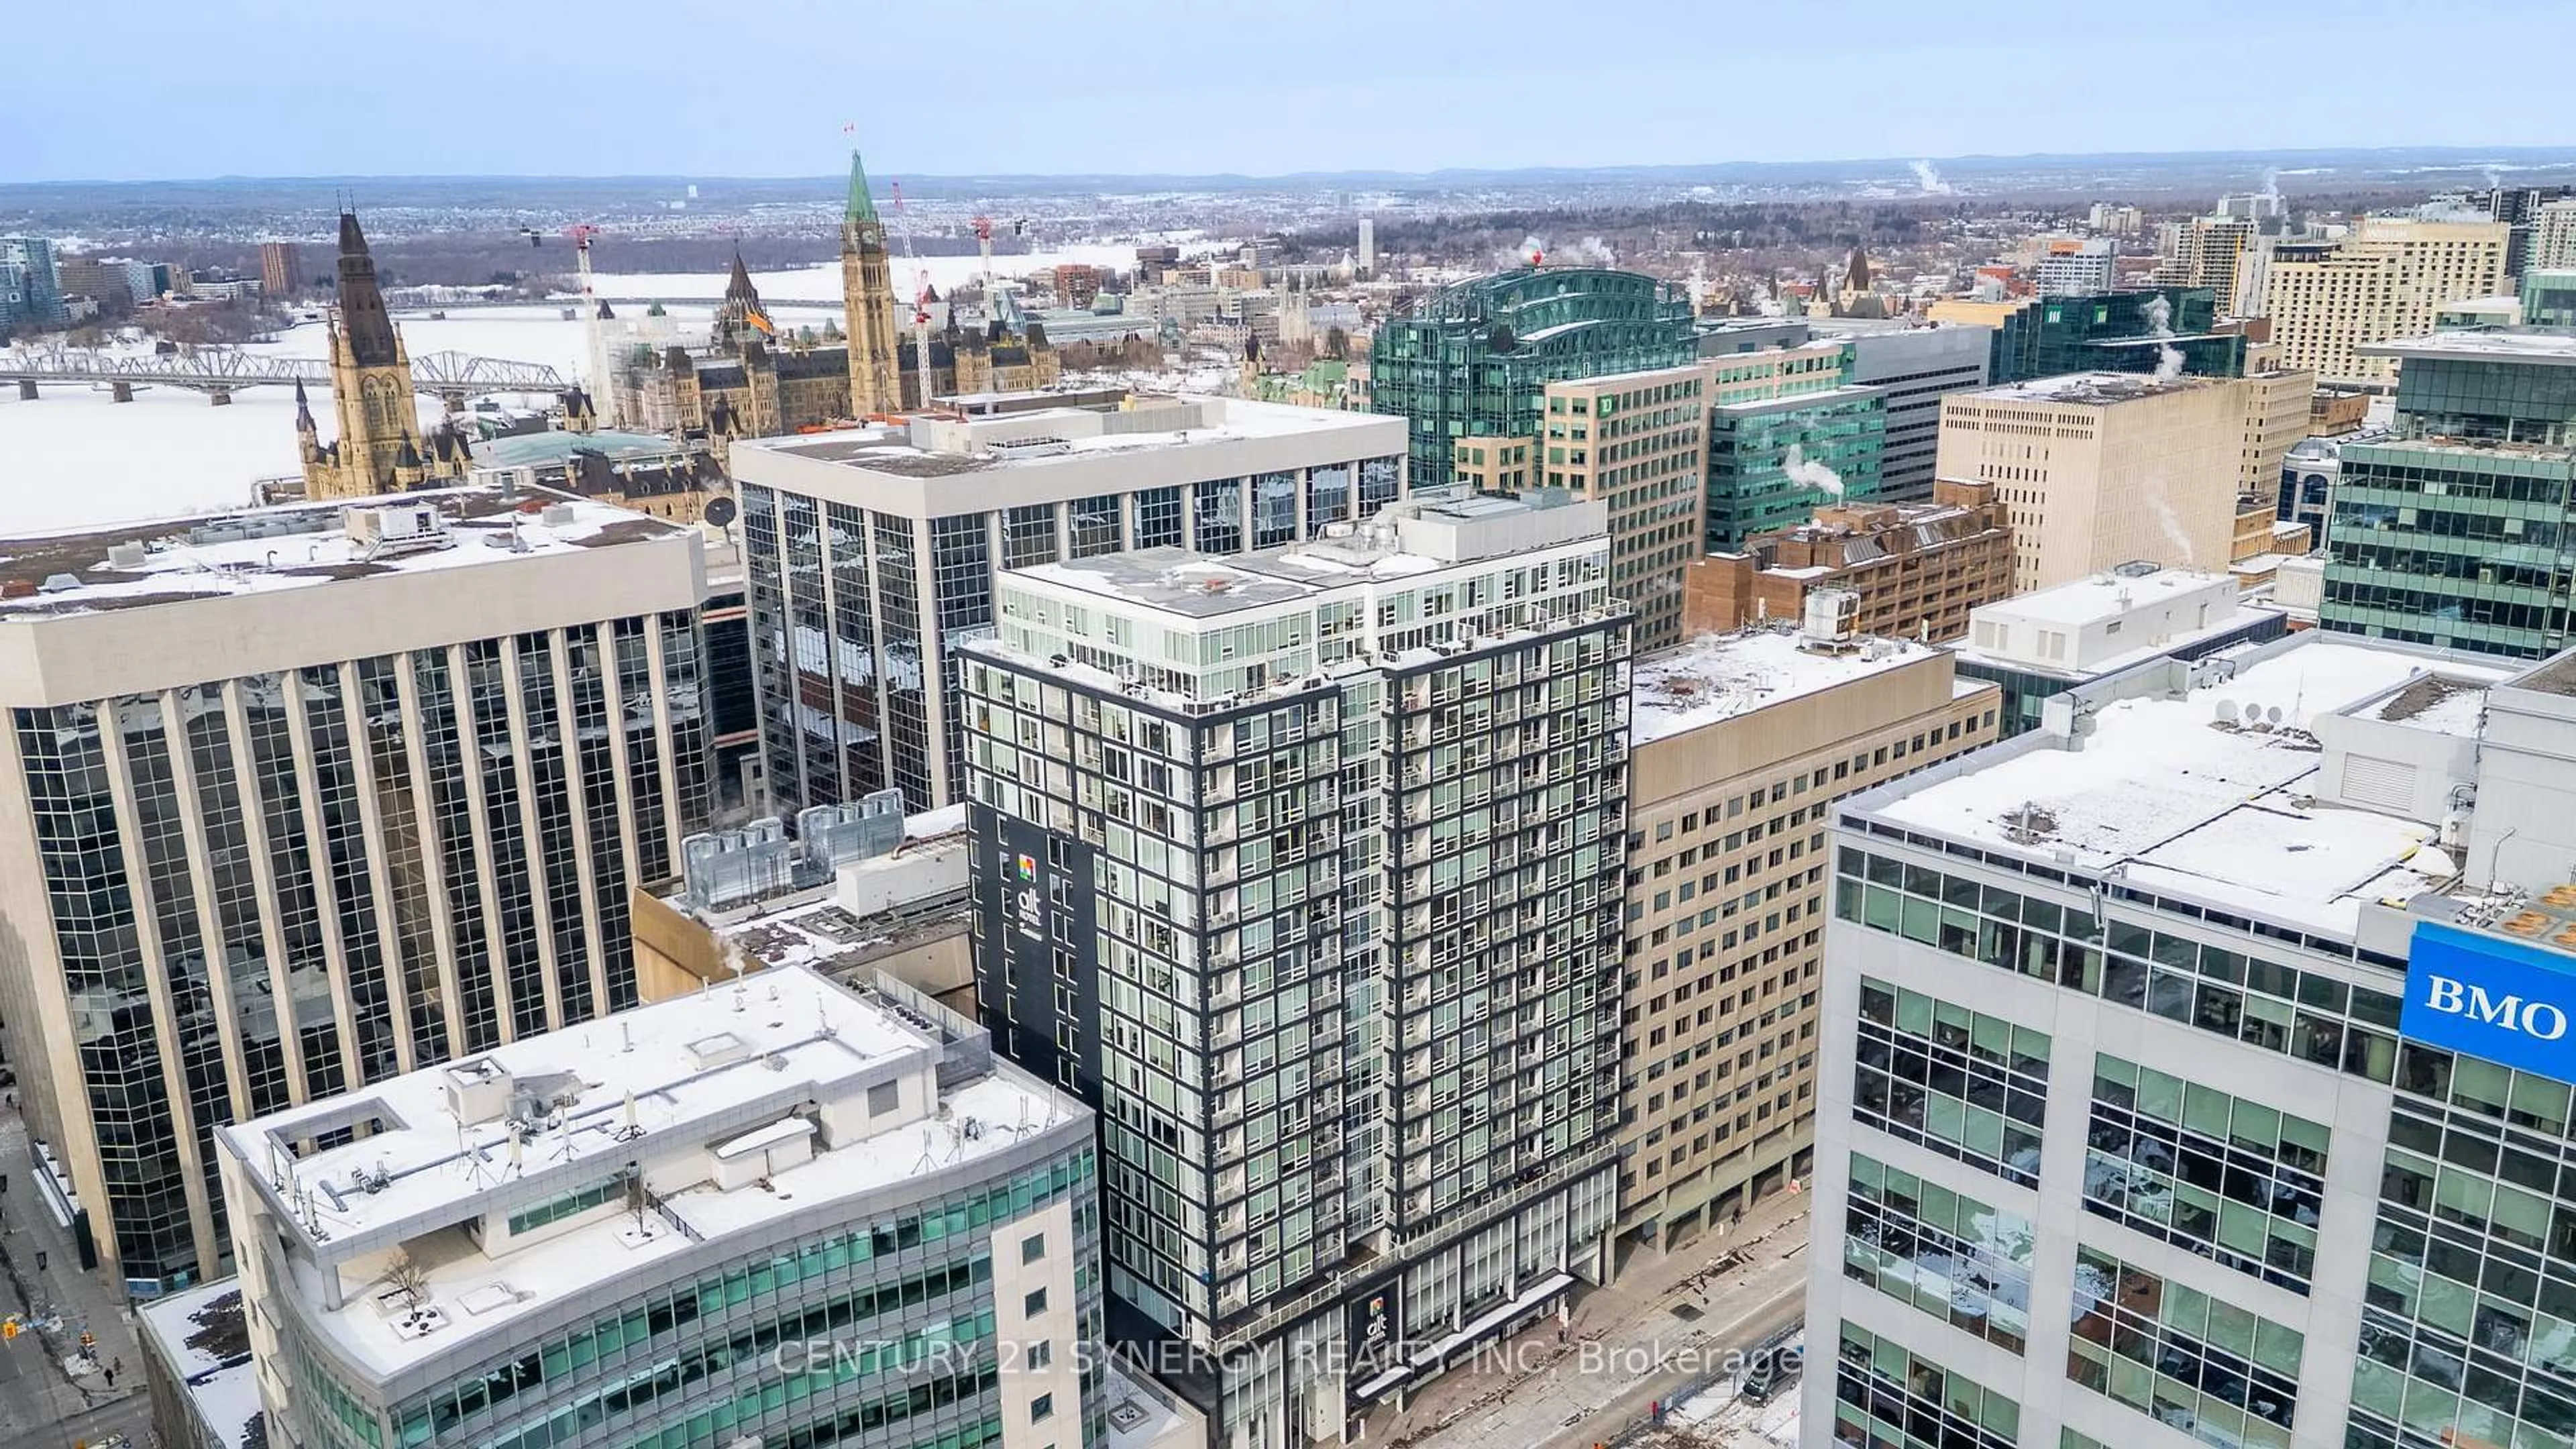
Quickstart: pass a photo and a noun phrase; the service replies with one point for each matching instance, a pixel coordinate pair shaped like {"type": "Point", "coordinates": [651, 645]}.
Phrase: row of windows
{"type": "Point", "coordinates": [1887, 1395]}
{"type": "Point", "coordinates": [1951, 1080]}
{"type": "Point", "coordinates": [2208, 1368]}
{"type": "Point", "coordinates": [570, 1204]}
{"type": "Point", "coordinates": [2230, 993]}
{"type": "Point", "coordinates": [638, 1322]}
{"type": "Point", "coordinates": [1946, 1253]}
{"type": "Point", "coordinates": [2231, 1180]}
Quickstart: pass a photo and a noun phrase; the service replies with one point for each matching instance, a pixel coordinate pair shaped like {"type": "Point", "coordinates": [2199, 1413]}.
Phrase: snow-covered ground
{"type": "Point", "coordinates": [823, 283]}
{"type": "Point", "coordinates": [1716, 1416]}
{"type": "Point", "coordinates": [74, 458]}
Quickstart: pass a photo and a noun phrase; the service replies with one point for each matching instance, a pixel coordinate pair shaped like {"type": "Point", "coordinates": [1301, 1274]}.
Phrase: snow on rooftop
{"type": "Point", "coordinates": [2092, 389]}
{"type": "Point", "coordinates": [655, 1084]}
{"type": "Point", "coordinates": [1047, 437]}
{"type": "Point", "coordinates": [1720, 676]}
{"type": "Point", "coordinates": [302, 545]}
{"type": "Point", "coordinates": [2165, 787]}
{"type": "Point", "coordinates": [2104, 596]}
{"type": "Point", "coordinates": [2555, 345]}
{"type": "Point", "coordinates": [201, 1334]}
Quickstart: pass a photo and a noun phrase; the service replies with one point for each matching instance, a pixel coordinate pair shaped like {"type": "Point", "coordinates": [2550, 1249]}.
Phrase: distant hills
{"type": "Point", "coordinates": [2308, 169]}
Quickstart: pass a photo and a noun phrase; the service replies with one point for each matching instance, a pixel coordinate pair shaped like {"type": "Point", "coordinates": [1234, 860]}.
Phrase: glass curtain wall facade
{"type": "Point", "coordinates": [276, 887]}
{"type": "Point", "coordinates": [1338, 966]}
{"type": "Point", "coordinates": [2113, 332]}
{"type": "Point", "coordinates": [1764, 457]}
{"type": "Point", "coordinates": [885, 1333]}
{"type": "Point", "coordinates": [2461, 529]}
{"type": "Point", "coordinates": [854, 611]}
{"type": "Point", "coordinates": [2468, 1327]}
{"type": "Point", "coordinates": [1471, 360]}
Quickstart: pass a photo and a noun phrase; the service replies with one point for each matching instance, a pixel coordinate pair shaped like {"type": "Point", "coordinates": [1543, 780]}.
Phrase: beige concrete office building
{"type": "Point", "coordinates": [2329, 300]}
{"type": "Point", "coordinates": [1638, 442]}
{"type": "Point", "coordinates": [298, 799]}
{"type": "Point", "coordinates": [2204, 252]}
{"type": "Point", "coordinates": [2099, 468]}
{"type": "Point", "coordinates": [2276, 418]}
{"type": "Point", "coordinates": [1740, 745]}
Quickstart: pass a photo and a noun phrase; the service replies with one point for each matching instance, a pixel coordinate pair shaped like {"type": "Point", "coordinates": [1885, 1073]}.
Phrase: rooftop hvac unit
{"type": "Point", "coordinates": [727, 867]}
{"type": "Point", "coordinates": [1833, 616]}
{"type": "Point", "coordinates": [835, 835]}
{"type": "Point", "coordinates": [398, 527]}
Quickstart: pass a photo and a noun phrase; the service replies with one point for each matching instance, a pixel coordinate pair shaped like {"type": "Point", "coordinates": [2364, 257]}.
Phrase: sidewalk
{"type": "Point", "coordinates": [59, 1300]}
{"type": "Point", "coordinates": [1658, 1331]}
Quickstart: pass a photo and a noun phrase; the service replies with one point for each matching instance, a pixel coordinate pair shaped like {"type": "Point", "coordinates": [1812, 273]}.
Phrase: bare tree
{"type": "Point", "coordinates": [409, 1278]}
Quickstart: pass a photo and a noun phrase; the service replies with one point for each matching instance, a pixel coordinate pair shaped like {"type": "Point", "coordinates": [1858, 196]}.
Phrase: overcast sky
{"type": "Point", "coordinates": [192, 88]}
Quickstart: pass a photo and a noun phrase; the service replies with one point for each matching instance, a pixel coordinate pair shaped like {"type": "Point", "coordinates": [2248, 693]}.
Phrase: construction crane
{"type": "Point", "coordinates": [592, 340]}
{"type": "Point", "coordinates": [984, 245]}
{"type": "Point", "coordinates": [921, 299]}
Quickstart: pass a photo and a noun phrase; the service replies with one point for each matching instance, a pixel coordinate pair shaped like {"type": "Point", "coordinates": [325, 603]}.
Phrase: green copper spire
{"type": "Point", "coordinates": [862, 207]}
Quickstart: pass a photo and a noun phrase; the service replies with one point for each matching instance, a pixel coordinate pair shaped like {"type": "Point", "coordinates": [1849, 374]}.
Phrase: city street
{"type": "Point", "coordinates": [1655, 1334]}
{"type": "Point", "coordinates": [42, 1404]}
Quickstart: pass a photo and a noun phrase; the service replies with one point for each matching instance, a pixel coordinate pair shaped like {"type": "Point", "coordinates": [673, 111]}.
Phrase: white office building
{"type": "Point", "coordinates": [785, 1212]}
{"type": "Point", "coordinates": [2196, 1070]}
{"type": "Point", "coordinates": [870, 553]}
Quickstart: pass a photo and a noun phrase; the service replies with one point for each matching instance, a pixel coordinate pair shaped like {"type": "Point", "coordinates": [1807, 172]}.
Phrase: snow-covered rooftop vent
{"type": "Point", "coordinates": [126, 556]}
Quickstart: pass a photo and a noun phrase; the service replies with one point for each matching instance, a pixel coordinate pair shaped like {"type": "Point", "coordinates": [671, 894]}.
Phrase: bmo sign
{"type": "Point", "coordinates": [2483, 996]}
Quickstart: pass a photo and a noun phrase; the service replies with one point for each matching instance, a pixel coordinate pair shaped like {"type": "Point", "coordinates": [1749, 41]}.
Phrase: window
{"type": "Point", "coordinates": [1041, 1354]}
{"type": "Point", "coordinates": [1033, 1248]}
{"type": "Point", "coordinates": [1041, 1408]}
{"type": "Point", "coordinates": [1034, 1304]}
{"type": "Point", "coordinates": [884, 1097]}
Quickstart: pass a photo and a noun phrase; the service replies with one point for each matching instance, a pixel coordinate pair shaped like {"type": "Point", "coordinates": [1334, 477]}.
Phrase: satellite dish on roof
{"type": "Point", "coordinates": [2227, 711]}
{"type": "Point", "coordinates": [720, 511]}
{"type": "Point", "coordinates": [2272, 714]}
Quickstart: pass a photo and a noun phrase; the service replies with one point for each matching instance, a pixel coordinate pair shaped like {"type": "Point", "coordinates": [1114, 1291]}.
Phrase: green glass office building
{"type": "Point", "coordinates": [2114, 332]}
{"type": "Point", "coordinates": [1773, 462]}
{"type": "Point", "coordinates": [2460, 529]}
{"type": "Point", "coordinates": [2549, 297]}
{"type": "Point", "coordinates": [1471, 359]}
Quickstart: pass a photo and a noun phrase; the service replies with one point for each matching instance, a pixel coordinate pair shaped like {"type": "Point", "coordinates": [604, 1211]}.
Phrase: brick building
{"type": "Point", "coordinates": [1917, 567]}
